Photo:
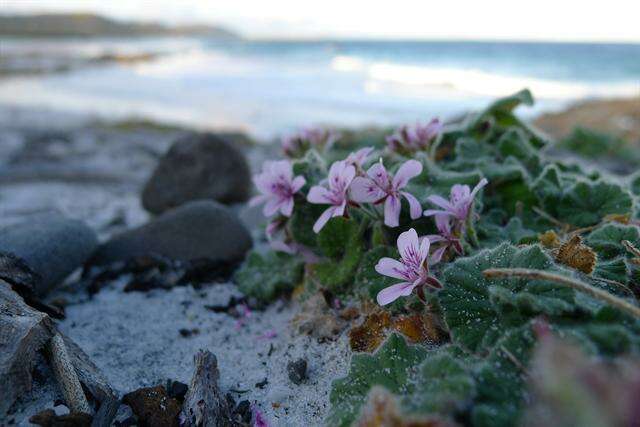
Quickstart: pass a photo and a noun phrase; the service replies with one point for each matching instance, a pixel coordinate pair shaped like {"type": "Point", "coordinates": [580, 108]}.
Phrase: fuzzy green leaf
{"type": "Point", "coordinates": [267, 276]}
{"type": "Point", "coordinates": [587, 203]}
{"type": "Point", "coordinates": [390, 367]}
{"type": "Point", "coordinates": [606, 240]}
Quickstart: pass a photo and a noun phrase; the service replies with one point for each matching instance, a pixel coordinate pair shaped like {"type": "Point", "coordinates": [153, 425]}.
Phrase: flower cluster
{"type": "Point", "coordinates": [296, 144]}
{"type": "Point", "coordinates": [409, 139]}
{"type": "Point", "coordinates": [376, 193]}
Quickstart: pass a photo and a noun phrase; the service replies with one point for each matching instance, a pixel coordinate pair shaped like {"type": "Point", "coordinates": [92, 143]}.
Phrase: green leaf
{"type": "Point", "coordinates": [587, 203]}
{"type": "Point", "coordinates": [473, 320]}
{"type": "Point", "coordinates": [500, 380]}
{"type": "Point", "coordinates": [390, 367]}
{"type": "Point", "coordinates": [492, 234]}
{"type": "Point", "coordinates": [635, 183]}
{"type": "Point", "coordinates": [267, 276]}
{"type": "Point", "coordinates": [443, 384]}
{"type": "Point", "coordinates": [515, 143]}
{"type": "Point", "coordinates": [606, 240]}
{"type": "Point", "coordinates": [336, 236]}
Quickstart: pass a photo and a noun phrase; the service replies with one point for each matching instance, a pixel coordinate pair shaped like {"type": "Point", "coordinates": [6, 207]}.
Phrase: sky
{"type": "Point", "coordinates": [549, 20]}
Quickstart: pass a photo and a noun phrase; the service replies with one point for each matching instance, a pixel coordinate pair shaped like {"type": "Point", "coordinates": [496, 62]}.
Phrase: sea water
{"type": "Point", "coordinates": [271, 87]}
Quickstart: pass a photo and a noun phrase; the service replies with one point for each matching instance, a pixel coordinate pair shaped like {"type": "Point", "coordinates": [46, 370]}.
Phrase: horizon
{"type": "Point", "coordinates": [285, 20]}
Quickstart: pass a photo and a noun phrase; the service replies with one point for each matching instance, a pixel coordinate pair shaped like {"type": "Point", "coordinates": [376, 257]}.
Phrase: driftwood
{"type": "Point", "coordinates": [23, 332]}
{"type": "Point", "coordinates": [204, 404]}
{"type": "Point", "coordinates": [66, 376]}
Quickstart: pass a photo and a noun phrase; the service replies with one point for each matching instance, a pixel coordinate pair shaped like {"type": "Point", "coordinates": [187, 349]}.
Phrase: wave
{"type": "Point", "coordinates": [428, 80]}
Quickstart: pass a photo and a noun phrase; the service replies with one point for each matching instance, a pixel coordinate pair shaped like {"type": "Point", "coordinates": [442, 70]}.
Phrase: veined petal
{"type": "Point", "coordinates": [393, 292]}
{"type": "Point", "coordinates": [378, 173]}
{"type": "Point", "coordinates": [319, 195]}
{"type": "Point", "coordinates": [392, 268]}
{"type": "Point", "coordinates": [282, 169]}
{"type": "Point", "coordinates": [433, 238]}
{"type": "Point", "coordinates": [431, 212]}
{"type": "Point", "coordinates": [365, 190]}
{"type": "Point", "coordinates": [443, 224]}
{"type": "Point", "coordinates": [322, 220]}
{"type": "Point", "coordinates": [408, 244]}
{"type": "Point", "coordinates": [415, 210]}
{"type": "Point", "coordinates": [408, 170]}
{"type": "Point", "coordinates": [425, 244]}
{"type": "Point", "coordinates": [339, 209]}
{"type": "Point", "coordinates": [392, 211]}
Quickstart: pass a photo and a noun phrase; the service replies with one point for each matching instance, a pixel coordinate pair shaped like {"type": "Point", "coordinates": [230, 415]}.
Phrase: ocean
{"type": "Point", "coordinates": [268, 88]}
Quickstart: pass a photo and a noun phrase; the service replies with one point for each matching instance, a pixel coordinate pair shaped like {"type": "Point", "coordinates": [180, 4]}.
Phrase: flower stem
{"type": "Point", "coordinates": [563, 280]}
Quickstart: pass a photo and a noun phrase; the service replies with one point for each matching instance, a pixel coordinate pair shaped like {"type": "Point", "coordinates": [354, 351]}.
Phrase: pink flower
{"type": "Point", "coordinates": [447, 236]}
{"type": "Point", "coordinates": [258, 418]}
{"type": "Point", "coordinates": [340, 176]}
{"type": "Point", "coordinates": [412, 269]}
{"type": "Point", "coordinates": [277, 185]}
{"type": "Point", "coordinates": [459, 205]}
{"type": "Point", "coordinates": [280, 241]}
{"type": "Point", "coordinates": [360, 157]}
{"type": "Point", "coordinates": [295, 145]}
{"type": "Point", "coordinates": [267, 335]}
{"type": "Point", "coordinates": [381, 186]}
{"type": "Point", "coordinates": [415, 138]}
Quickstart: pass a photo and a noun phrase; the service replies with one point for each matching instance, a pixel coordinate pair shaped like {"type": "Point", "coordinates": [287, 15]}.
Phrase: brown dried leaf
{"type": "Point", "coordinates": [620, 218]}
{"type": "Point", "coordinates": [420, 328]}
{"type": "Point", "coordinates": [370, 334]}
{"type": "Point", "coordinates": [382, 411]}
{"type": "Point", "coordinates": [318, 320]}
{"type": "Point", "coordinates": [549, 239]}
{"type": "Point", "coordinates": [575, 254]}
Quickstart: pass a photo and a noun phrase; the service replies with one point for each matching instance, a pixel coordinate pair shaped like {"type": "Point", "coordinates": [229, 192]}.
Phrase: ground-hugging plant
{"type": "Point", "coordinates": [473, 222]}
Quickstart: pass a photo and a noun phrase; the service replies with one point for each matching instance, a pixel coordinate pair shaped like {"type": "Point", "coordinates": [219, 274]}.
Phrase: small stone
{"type": "Point", "coordinates": [262, 384]}
{"type": "Point", "coordinates": [48, 418]}
{"type": "Point", "coordinates": [177, 390]}
{"type": "Point", "coordinates": [153, 406]}
{"type": "Point", "coordinates": [186, 333]}
{"type": "Point", "coordinates": [297, 371]}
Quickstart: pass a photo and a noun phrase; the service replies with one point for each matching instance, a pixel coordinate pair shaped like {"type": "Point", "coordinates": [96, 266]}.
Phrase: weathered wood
{"type": "Point", "coordinates": [204, 404]}
{"type": "Point", "coordinates": [23, 332]}
{"type": "Point", "coordinates": [66, 376]}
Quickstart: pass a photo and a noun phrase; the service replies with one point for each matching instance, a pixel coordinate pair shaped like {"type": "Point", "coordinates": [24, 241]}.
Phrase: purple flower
{"type": "Point", "coordinates": [258, 418]}
{"type": "Point", "coordinates": [359, 158]}
{"type": "Point", "coordinates": [281, 242]}
{"type": "Point", "coordinates": [412, 269]}
{"type": "Point", "coordinates": [340, 176]}
{"type": "Point", "coordinates": [380, 186]}
{"type": "Point", "coordinates": [414, 138]}
{"type": "Point", "coordinates": [446, 235]}
{"type": "Point", "coordinates": [277, 185]}
{"type": "Point", "coordinates": [459, 205]}
{"type": "Point", "coordinates": [295, 145]}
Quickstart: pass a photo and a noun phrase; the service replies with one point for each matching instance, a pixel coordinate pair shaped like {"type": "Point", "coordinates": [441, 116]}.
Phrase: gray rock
{"type": "Point", "coordinates": [49, 246]}
{"type": "Point", "coordinates": [202, 229]}
{"type": "Point", "coordinates": [297, 371]}
{"type": "Point", "coordinates": [197, 167]}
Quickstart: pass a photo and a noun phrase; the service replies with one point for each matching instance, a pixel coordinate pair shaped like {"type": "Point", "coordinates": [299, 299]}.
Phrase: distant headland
{"type": "Point", "coordinates": [90, 25]}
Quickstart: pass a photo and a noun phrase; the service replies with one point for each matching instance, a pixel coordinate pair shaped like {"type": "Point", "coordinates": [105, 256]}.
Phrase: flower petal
{"type": "Point", "coordinates": [319, 195]}
{"type": "Point", "coordinates": [322, 220]}
{"type": "Point", "coordinates": [378, 173]}
{"type": "Point", "coordinates": [434, 238]}
{"type": "Point", "coordinates": [393, 292]}
{"type": "Point", "coordinates": [408, 170]}
{"type": "Point", "coordinates": [415, 210]}
{"type": "Point", "coordinates": [425, 244]}
{"type": "Point", "coordinates": [408, 244]}
{"type": "Point", "coordinates": [436, 256]}
{"type": "Point", "coordinates": [441, 202]}
{"type": "Point", "coordinates": [258, 200]}
{"type": "Point", "coordinates": [286, 207]}
{"type": "Point", "coordinates": [392, 211]}
{"type": "Point", "coordinates": [271, 207]}
{"type": "Point", "coordinates": [365, 190]}
{"type": "Point", "coordinates": [431, 212]}
{"type": "Point", "coordinates": [392, 268]}
{"type": "Point", "coordinates": [297, 183]}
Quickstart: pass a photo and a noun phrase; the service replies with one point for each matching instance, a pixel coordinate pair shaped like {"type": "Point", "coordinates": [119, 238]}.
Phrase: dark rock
{"type": "Point", "coordinates": [297, 371]}
{"type": "Point", "coordinates": [48, 418]}
{"type": "Point", "coordinates": [23, 332]}
{"type": "Point", "coordinates": [198, 230]}
{"type": "Point", "coordinates": [186, 333]}
{"type": "Point", "coordinates": [197, 167]}
{"type": "Point", "coordinates": [262, 384]}
{"type": "Point", "coordinates": [153, 407]}
{"type": "Point", "coordinates": [177, 390]}
{"type": "Point", "coordinates": [51, 247]}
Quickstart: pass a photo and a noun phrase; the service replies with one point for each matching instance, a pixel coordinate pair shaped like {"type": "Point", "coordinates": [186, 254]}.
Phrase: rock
{"type": "Point", "coordinates": [23, 332]}
{"type": "Point", "coordinates": [196, 231]}
{"type": "Point", "coordinates": [297, 371]}
{"type": "Point", "coordinates": [177, 390]}
{"type": "Point", "coordinates": [196, 167]}
{"type": "Point", "coordinates": [153, 407]}
{"type": "Point", "coordinates": [48, 418]}
{"type": "Point", "coordinates": [51, 247]}
{"type": "Point", "coordinates": [204, 404]}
